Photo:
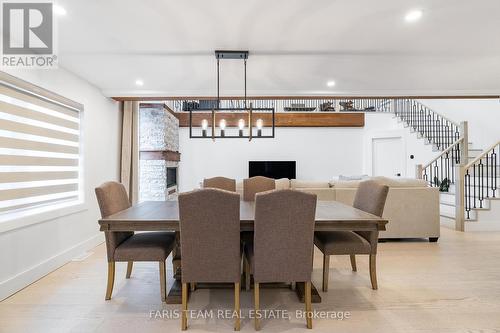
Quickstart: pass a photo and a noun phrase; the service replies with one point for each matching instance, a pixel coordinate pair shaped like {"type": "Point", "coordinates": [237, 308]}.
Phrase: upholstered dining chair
{"type": "Point", "coordinates": [370, 197]}
{"type": "Point", "coordinates": [254, 185]}
{"type": "Point", "coordinates": [221, 183]}
{"type": "Point", "coordinates": [210, 242]}
{"type": "Point", "coordinates": [282, 250]}
{"type": "Point", "coordinates": [128, 246]}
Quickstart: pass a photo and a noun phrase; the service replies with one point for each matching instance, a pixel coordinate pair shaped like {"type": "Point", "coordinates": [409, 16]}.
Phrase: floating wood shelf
{"type": "Point", "coordinates": [166, 155]}
{"type": "Point", "coordinates": [282, 119]}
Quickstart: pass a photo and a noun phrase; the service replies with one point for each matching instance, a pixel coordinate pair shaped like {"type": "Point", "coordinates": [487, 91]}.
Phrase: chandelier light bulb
{"type": "Point", "coordinates": [259, 123]}
{"type": "Point", "coordinates": [204, 124]}
{"type": "Point", "coordinates": [222, 124]}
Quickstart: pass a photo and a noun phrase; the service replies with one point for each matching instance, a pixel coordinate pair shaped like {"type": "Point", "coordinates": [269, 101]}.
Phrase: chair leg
{"type": "Point", "coordinates": [184, 306]}
{"type": "Point", "coordinates": [193, 286]}
{"type": "Point", "coordinates": [256, 305]}
{"type": "Point", "coordinates": [111, 279]}
{"type": "Point", "coordinates": [237, 305]}
{"type": "Point", "coordinates": [247, 273]}
{"type": "Point", "coordinates": [163, 281]}
{"type": "Point", "coordinates": [129, 269]}
{"type": "Point", "coordinates": [326, 270]}
{"type": "Point", "coordinates": [353, 263]}
{"type": "Point", "coordinates": [373, 271]}
{"type": "Point", "coordinates": [293, 286]}
{"type": "Point", "coordinates": [308, 305]}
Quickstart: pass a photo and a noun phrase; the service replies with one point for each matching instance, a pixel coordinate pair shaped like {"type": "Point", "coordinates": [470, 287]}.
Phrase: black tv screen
{"type": "Point", "coordinates": [272, 169]}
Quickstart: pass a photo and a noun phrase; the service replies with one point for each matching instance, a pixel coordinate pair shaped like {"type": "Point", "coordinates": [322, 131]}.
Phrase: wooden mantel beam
{"type": "Point", "coordinates": [282, 119]}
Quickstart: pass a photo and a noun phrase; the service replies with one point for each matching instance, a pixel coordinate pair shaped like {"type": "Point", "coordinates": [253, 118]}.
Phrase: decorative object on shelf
{"type": "Point", "coordinates": [299, 108]}
{"type": "Point", "coordinates": [327, 106]}
{"type": "Point", "coordinates": [347, 106]}
{"type": "Point", "coordinates": [232, 114]}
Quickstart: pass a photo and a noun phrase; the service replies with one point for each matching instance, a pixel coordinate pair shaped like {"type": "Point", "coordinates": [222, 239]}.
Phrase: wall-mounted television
{"type": "Point", "coordinates": [272, 169]}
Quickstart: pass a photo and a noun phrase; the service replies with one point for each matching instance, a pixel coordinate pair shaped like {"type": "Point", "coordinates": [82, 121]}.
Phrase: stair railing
{"type": "Point", "coordinates": [479, 180]}
{"type": "Point", "coordinates": [448, 169]}
{"type": "Point", "coordinates": [441, 170]}
{"type": "Point", "coordinates": [436, 128]}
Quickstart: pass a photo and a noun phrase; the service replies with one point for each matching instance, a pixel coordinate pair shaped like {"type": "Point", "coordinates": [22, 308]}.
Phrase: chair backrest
{"type": "Point", "coordinates": [254, 185]}
{"type": "Point", "coordinates": [112, 198]}
{"type": "Point", "coordinates": [283, 236]}
{"type": "Point", "coordinates": [222, 183]}
{"type": "Point", "coordinates": [370, 197]}
{"type": "Point", "coordinates": [210, 236]}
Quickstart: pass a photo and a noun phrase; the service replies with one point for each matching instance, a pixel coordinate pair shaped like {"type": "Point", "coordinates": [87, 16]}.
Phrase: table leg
{"type": "Point", "coordinates": [300, 290]}
{"type": "Point", "coordinates": [175, 293]}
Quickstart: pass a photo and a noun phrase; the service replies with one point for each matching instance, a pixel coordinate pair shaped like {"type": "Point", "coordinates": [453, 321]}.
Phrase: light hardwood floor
{"type": "Point", "coordinates": [449, 286]}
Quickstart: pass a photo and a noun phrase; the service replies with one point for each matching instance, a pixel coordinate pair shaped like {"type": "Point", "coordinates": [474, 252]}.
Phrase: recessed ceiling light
{"type": "Point", "coordinates": [330, 83]}
{"type": "Point", "coordinates": [139, 83]}
{"type": "Point", "coordinates": [58, 10]}
{"type": "Point", "coordinates": [413, 15]}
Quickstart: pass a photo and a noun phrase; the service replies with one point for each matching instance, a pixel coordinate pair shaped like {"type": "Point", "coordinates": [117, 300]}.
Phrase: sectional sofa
{"type": "Point", "coordinates": [412, 207]}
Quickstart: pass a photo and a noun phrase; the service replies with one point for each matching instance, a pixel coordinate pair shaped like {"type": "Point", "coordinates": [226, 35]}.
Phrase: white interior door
{"type": "Point", "coordinates": [388, 157]}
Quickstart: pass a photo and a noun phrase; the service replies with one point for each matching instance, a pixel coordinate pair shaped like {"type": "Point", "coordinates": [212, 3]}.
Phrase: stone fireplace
{"type": "Point", "coordinates": [159, 153]}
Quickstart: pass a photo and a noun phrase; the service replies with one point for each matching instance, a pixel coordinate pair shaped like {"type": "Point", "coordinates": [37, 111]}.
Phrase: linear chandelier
{"type": "Point", "coordinates": [233, 122]}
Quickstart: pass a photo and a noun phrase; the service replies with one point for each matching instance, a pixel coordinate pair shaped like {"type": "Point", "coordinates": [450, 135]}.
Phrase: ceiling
{"type": "Point", "coordinates": [295, 46]}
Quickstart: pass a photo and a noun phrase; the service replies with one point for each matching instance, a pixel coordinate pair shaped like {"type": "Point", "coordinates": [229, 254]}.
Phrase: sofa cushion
{"type": "Point", "coordinates": [391, 182]}
{"type": "Point", "coordinates": [282, 184]}
{"type": "Point", "coordinates": [345, 183]}
{"type": "Point", "coordinates": [401, 182]}
{"type": "Point", "coordinates": [353, 177]}
{"type": "Point", "coordinates": [294, 183]}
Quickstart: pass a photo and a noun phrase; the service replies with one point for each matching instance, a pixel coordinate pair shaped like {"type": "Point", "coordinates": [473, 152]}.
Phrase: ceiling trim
{"type": "Point", "coordinates": [177, 98]}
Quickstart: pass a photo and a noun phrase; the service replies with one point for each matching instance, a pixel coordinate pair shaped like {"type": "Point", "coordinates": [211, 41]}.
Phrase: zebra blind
{"type": "Point", "coordinates": [39, 153]}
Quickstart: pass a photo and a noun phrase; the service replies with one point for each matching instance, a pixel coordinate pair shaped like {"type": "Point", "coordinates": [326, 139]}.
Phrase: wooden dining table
{"type": "Point", "coordinates": [164, 216]}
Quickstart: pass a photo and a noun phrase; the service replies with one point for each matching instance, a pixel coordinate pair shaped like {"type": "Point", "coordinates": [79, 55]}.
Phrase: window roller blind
{"type": "Point", "coordinates": [39, 151]}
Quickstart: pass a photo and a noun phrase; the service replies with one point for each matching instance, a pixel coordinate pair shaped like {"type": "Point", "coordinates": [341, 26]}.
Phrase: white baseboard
{"type": "Point", "coordinates": [24, 279]}
{"type": "Point", "coordinates": [482, 226]}
{"type": "Point", "coordinates": [472, 225]}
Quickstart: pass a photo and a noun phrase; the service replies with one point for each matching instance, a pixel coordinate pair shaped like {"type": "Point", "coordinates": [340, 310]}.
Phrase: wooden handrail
{"type": "Point", "coordinates": [474, 161]}
{"type": "Point", "coordinates": [444, 152]}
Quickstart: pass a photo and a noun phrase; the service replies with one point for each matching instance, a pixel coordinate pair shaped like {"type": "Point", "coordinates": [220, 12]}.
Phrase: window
{"type": "Point", "coordinates": [40, 150]}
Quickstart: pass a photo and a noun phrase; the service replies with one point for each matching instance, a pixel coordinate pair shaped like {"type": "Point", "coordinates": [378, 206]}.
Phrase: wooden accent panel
{"type": "Point", "coordinates": [180, 98]}
{"type": "Point", "coordinates": [166, 155]}
{"type": "Point", "coordinates": [282, 119]}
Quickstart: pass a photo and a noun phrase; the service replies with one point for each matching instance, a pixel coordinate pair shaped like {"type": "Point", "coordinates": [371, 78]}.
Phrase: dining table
{"type": "Point", "coordinates": [164, 216]}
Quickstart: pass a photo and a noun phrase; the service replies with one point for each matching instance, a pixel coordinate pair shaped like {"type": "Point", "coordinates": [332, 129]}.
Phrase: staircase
{"type": "Point", "coordinates": [468, 178]}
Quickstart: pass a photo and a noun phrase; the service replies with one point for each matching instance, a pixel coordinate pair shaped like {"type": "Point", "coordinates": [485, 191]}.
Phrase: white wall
{"type": "Point", "coordinates": [28, 253]}
{"type": "Point", "coordinates": [321, 153]}
{"type": "Point", "coordinates": [483, 116]}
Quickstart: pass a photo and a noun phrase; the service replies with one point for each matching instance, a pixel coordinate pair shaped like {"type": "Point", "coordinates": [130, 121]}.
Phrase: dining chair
{"type": "Point", "coordinates": [221, 183]}
{"type": "Point", "coordinates": [254, 185]}
{"type": "Point", "coordinates": [210, 242]}
{"type": "Point", "coordinates": [282, 250]}
{"type": "Point", "coordinates": [370, 197]}
{"type": "Point", "coordinates": [126, 246]}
